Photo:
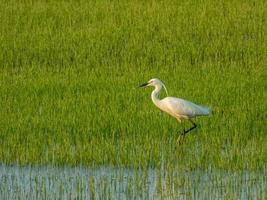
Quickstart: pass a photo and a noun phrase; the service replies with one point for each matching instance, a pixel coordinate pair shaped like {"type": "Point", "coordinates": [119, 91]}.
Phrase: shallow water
{"type": "Point", "coordinates": [119, 183]}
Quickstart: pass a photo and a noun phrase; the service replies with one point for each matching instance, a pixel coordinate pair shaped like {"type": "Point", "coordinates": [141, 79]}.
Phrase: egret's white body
{"type": "Point", "coordinates": [179, 108]}
{"type": "Point", "coordinates": [176, 107]}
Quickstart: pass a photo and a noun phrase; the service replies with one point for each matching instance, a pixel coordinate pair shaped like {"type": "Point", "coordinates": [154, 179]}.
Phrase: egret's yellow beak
{"type": "Point", "coordinates": [143, 85]}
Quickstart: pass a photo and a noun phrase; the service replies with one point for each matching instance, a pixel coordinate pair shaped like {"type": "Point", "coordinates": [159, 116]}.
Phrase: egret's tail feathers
{"type": "Point", "coordinates": [206, 111]}
{"type": "Point", "coordinates": [203, 110]}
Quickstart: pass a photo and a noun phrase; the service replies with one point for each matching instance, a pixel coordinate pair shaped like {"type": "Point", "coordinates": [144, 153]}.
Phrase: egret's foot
{"type": "Point", "coordinates": [179, 140]}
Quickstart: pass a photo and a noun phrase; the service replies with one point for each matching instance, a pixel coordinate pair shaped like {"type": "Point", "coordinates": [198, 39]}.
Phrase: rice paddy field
{"type": "Point", "coordinates": [69, 72]}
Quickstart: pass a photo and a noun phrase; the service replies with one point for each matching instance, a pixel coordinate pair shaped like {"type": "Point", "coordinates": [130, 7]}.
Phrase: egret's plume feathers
{"type": "Point", "coordinates": [165, 89]}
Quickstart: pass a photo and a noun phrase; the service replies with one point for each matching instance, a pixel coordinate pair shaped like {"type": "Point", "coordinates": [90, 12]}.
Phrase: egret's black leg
{"type": "Point", "coordinates": [181, 136]}
{"type": "Point", "coordinates": [188, 130]}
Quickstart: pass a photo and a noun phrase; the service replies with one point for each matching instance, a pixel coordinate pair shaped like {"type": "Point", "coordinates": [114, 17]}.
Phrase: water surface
{"type": "Point", "coordinates": [119, 183]}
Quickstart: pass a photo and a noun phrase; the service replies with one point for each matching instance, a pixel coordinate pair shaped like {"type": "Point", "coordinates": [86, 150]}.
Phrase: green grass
{"type": "Point", "coordinates": [123, 183]}
{"type": "Point", "coordinates": [69, 72]}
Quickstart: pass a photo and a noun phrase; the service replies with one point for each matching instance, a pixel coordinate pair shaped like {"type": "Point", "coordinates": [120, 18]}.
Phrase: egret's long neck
{"type": "Point", "coordinates": [155, 95]}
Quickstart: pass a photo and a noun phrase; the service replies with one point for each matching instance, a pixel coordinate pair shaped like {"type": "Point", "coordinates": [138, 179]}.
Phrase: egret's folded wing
{"type": "Point", "coordinates": [184, 108]}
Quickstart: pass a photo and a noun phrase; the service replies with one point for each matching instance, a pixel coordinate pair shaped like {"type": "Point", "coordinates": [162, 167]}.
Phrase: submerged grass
{"type": "Point", "coordinates": [122, 183]}
{"type": "Point", "coordinates": [69, 71]}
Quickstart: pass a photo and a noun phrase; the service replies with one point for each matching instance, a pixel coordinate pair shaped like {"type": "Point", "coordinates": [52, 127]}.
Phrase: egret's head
{"type": "Point", "coordinates": [154, 82]}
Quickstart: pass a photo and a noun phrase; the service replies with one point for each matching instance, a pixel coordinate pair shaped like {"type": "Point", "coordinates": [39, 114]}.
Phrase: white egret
{"type": "Point", "coordinates": [179, 108]}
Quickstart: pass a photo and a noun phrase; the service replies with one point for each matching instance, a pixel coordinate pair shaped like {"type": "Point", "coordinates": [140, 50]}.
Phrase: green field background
{"type": "Point", "coordinates": [70, 70]}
